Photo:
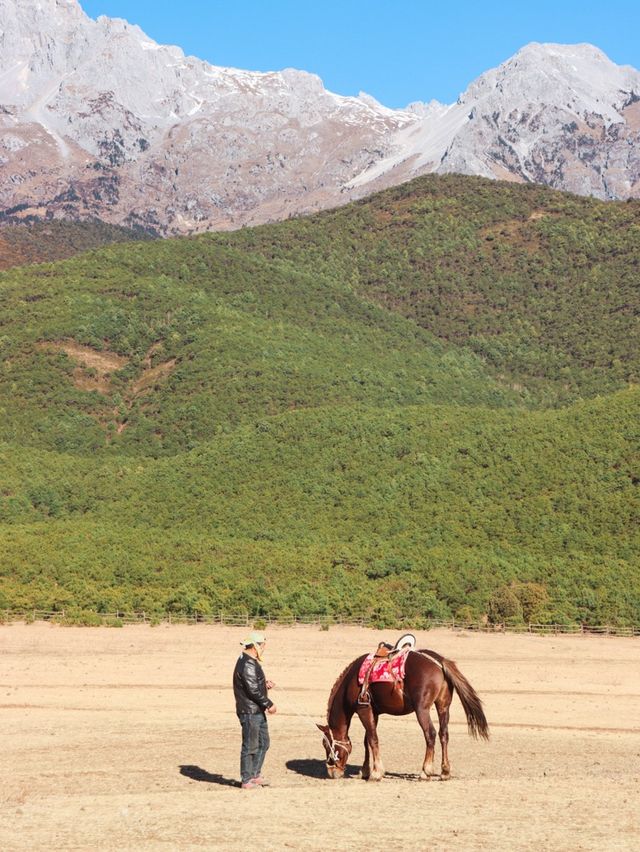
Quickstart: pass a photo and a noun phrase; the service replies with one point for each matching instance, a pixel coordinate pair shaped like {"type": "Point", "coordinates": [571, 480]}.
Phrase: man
{"type": "Point", "coordinates": [252, 703]}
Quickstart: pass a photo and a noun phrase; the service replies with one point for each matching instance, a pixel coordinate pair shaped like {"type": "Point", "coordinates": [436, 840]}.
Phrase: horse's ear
{"type": "Point", "coordinates": [323, 728]}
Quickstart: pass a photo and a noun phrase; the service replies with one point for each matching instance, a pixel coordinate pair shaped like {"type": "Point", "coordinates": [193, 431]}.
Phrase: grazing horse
{"type": "Point", "coordinates": [429, 679]}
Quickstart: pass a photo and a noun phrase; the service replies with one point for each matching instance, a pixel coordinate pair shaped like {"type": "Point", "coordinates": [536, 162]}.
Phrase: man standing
{"type": "Point", "coordinates": [252, 703]}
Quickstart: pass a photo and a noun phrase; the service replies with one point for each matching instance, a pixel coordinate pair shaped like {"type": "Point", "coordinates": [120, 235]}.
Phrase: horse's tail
{"type": "Point", "coordinates": [471, 703]}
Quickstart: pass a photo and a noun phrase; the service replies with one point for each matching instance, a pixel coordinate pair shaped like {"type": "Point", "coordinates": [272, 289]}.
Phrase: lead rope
{"type": "Point", "coordinates": [304, 715]}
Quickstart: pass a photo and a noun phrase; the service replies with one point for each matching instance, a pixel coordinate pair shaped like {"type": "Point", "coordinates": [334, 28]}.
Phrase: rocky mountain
{"type": "Point", "coordinates": [561, 115]}
{"type": "Point", "coordinates": [97, 120]}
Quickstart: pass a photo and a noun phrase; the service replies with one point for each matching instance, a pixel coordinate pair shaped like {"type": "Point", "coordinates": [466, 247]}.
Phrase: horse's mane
{"type": "Point", "coordinates": [336, 686]}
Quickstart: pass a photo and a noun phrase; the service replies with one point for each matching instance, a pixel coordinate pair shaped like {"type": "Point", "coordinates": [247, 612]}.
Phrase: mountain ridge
{"type": "Point", "coordinates": [99, 121]}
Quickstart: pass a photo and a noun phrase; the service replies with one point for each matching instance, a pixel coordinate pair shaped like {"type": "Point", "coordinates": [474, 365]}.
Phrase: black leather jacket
{"type": "Point", "coordinates": [250, 686]}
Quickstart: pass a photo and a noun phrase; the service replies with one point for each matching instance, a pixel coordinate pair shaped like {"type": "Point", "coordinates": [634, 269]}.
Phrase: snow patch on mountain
{"type": "Point", "coordinates": [98, 119]}
{"type": "Point", "coordinates": [511, 117]}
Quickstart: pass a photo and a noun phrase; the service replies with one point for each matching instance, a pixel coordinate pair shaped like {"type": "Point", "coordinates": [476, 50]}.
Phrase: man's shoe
{"type": "Point", "coordinates": [249, 785]}
{"type": "Point", "coordinates": [259, 781]}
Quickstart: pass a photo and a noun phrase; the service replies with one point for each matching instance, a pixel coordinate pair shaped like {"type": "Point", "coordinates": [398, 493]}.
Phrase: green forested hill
{"type": "Point", "coordinates": [198, 338]}
{"type": "Point", "coordinates": [418, 405]}
{"type": "Point", "coordinates": [542, 285]}
{"type": "Point", "coordinates": [404, 512]}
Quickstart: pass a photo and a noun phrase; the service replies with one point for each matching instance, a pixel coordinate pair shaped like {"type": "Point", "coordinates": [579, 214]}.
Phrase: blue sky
{"type": "Point", "coordinates": [396, 51]}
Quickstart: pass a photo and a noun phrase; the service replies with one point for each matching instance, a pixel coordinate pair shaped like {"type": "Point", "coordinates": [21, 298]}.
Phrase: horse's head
{"type": "Point", "coordinates": [338, 751]}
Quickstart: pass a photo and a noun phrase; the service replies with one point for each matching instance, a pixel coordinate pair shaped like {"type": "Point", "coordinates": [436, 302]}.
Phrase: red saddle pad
{"type": "Point", "coordinates": [384, 669]}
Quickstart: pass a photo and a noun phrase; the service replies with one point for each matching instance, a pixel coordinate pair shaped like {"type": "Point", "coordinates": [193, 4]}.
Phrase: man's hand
{"type": "Point", "coordinates": [270, 684]}
{"type": "Point", "coordinates": [272, 709]}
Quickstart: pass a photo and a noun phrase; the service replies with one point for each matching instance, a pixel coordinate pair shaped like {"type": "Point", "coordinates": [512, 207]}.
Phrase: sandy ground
{"type": "Point", "coordinates": [127, 739]}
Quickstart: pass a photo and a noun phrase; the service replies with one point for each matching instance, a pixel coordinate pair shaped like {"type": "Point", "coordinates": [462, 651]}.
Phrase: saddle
{"type": "Point", "coordinates": [386, 651]}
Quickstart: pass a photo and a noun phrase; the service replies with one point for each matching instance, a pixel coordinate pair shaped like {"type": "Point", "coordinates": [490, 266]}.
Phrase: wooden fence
{"type": "Point", "coordinates": [245, 619]}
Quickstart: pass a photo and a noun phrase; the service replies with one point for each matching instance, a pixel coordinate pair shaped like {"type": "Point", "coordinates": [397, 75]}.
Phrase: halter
{"type": "Point", "coordinates": [332, 742]}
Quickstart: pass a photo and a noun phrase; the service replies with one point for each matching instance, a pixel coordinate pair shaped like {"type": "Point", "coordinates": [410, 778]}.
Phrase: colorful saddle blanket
{"type": "Point", "coordinates": [382, 669]}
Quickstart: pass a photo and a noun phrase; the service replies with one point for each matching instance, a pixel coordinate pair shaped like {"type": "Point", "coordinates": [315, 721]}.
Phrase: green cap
{"type": "Point", "coordinates": [254, 638]}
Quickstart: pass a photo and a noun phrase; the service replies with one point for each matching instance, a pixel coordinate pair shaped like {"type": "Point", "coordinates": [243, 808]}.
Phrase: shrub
{"type": "Point", "coordinates": [504, 607]}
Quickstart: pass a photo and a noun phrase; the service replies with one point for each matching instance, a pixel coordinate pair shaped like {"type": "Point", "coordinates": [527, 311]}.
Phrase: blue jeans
{"type": "Point", "coordinates": [255, 742]}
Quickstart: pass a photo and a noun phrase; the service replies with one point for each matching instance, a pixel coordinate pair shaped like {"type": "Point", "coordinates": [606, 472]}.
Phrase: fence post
{"type": "Point", "coordinates": [237, 619]}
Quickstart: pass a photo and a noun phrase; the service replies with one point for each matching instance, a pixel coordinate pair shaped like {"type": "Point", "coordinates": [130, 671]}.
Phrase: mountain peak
{"type": "Point", "coordinates": [575, 78]}
{"type": "Point", "coordinates": [565, 115]}
{"type": "Point", "coordinates": [583, 50]}
{"type": "Point", "coordinates": [97, 119]}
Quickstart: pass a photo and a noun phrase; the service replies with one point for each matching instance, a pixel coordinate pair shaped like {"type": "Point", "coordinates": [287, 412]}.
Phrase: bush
{"type": "Point", "coordinates": [505, 607]}
{"type": "Point", "coordinates": [534, 600]}
{"type": "Point", "coordinates": [466, 614]}
{"type": "Point", "coordinates": [82, 618]}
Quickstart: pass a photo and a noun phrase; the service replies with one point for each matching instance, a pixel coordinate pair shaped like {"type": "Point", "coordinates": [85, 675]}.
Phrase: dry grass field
{"type": "Point", "coordinates": [127, 739]}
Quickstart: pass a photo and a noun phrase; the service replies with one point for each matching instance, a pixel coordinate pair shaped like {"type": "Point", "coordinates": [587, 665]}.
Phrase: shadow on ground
{"type": "Point", "coordinates": [196, 773]}
{"type": "Point", "coordinates": [317, 769]}
{"type": "Point", "coordinates": [309, 768]}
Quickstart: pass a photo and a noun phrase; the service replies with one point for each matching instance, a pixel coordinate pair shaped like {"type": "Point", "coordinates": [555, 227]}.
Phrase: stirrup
{"type": "Point", "coordinates": [364, 698]}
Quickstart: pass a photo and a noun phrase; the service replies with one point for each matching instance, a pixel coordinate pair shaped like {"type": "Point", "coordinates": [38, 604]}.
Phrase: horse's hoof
{"type": "Point", "coordinates": [424, 777]}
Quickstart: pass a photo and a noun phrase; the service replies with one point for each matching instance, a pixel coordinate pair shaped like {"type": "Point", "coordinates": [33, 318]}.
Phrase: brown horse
{"type": "Point", "coordinates": [429, 679]}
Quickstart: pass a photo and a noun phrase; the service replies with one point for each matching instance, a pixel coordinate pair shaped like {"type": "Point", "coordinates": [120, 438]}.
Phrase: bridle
{"type": "Point", "coordinates": [332, 743]}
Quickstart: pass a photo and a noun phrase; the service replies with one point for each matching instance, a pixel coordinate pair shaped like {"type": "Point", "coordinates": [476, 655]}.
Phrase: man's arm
{"type": "Point", "coordinates": [252, 687]}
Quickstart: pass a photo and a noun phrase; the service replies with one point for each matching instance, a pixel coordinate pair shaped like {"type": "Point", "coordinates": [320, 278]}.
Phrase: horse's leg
{"type": "Point", "coordinates": [370, 721]}
{"type": "Point", "coordinates": [442, 706]}
{"type": "Point", "coordinates": [366, 766]}
{"type": "Point", "coordinates": [424, 719]}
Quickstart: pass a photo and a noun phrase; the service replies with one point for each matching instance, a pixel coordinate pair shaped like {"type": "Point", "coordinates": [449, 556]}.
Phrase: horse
{"type": "Point", "coordinates": [429, 679]}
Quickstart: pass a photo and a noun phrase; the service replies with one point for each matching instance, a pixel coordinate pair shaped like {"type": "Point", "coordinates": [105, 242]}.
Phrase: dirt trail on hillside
{"type": "Point", "coordinates": [127, 739]}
